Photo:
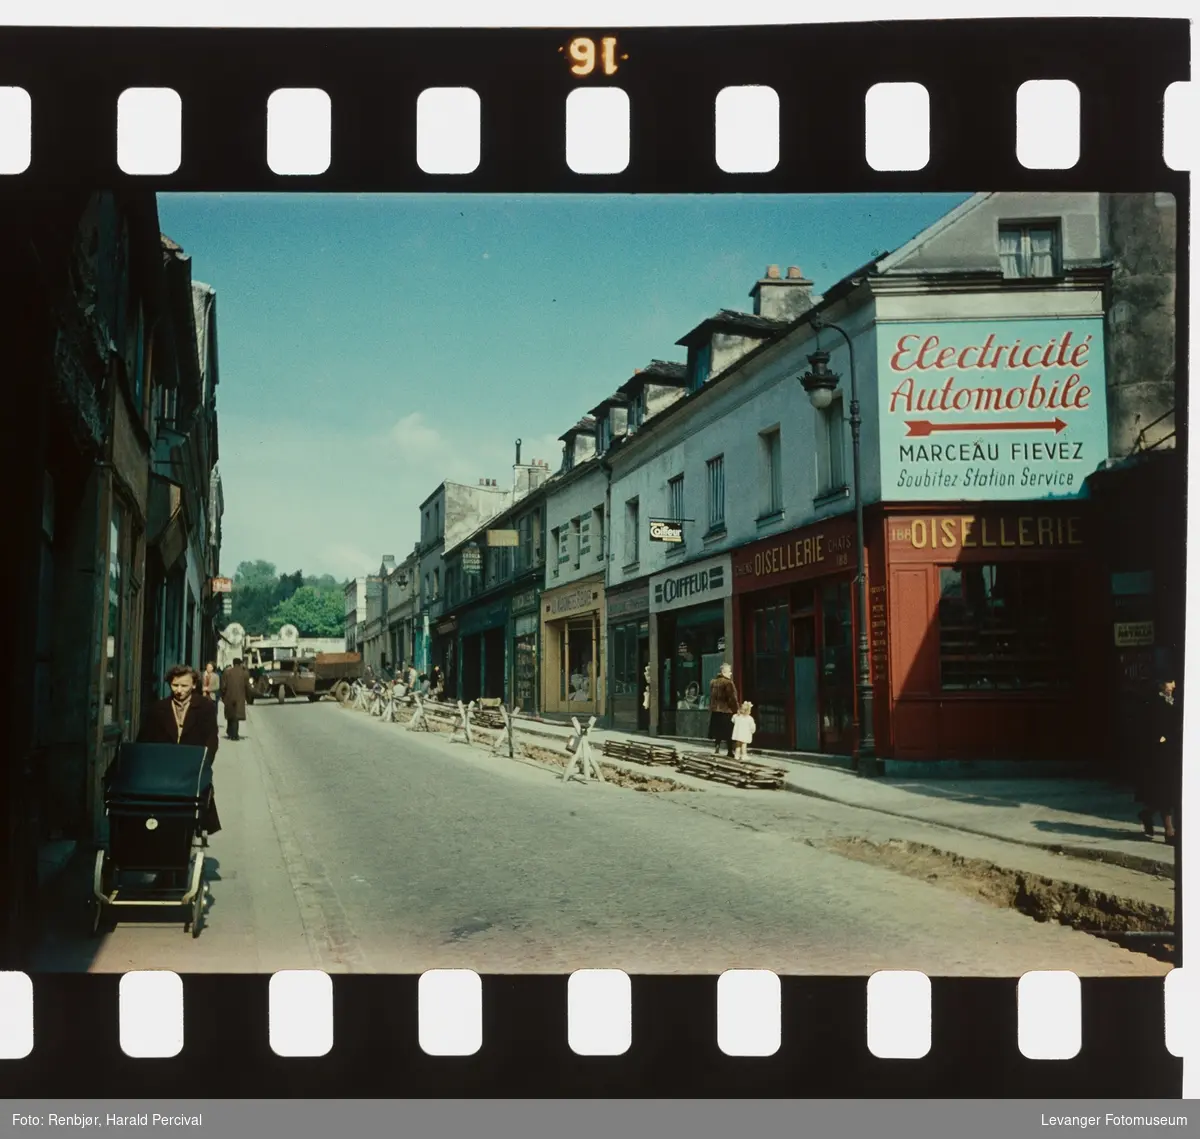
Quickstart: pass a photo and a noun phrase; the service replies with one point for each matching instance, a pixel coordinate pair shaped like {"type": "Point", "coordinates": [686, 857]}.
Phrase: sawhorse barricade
{"type": "Point", "coordinates": [582, 763]}
{"type": "Point", "coordinates": [427, 707]}
{"type": "Point", "coordinates": [462, 728]}
{"type": "Point", "coordinates": [504, 741]}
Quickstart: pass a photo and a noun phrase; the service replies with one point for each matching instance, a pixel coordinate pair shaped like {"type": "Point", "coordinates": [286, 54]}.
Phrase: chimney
{"type": "Point", "coordinates": [782, 298]}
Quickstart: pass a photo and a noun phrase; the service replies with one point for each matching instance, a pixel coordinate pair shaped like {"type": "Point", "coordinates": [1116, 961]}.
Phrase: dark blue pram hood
{"type": "Point", "coordinates": [160, 771]}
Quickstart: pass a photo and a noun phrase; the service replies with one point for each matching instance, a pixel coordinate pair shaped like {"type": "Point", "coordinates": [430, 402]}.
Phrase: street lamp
{"type": "Point", "coordinates": [820, 384]}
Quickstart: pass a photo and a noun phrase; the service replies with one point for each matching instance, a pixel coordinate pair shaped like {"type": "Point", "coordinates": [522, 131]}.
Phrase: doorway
{"type": "Point", "coordinates": [805, 680]}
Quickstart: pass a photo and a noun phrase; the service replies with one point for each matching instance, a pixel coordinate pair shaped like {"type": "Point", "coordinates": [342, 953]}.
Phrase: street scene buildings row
{"type": "Point", "coordinates": [1023, 500]}
{"type": "Point", "coordinates": [114, 489]}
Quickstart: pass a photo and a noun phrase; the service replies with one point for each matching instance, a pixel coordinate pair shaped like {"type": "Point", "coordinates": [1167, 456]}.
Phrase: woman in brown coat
{"type": "Point", "coordinates": [185, 717]}
{"type": "Point", "coordinates": [722, 704]}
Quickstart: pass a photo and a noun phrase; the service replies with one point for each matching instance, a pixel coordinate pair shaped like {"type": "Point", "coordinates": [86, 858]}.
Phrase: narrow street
{"type": "Point", "coordinates": [353, 845]}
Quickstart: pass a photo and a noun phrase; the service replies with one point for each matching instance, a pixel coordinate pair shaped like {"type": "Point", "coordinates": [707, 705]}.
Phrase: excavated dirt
{"type": "Point", "coordinates": [1043, 899]}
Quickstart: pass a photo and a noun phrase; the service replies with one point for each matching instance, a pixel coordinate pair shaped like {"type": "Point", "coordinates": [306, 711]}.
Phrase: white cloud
{"type": "Point", "coordinates": [416, 437]}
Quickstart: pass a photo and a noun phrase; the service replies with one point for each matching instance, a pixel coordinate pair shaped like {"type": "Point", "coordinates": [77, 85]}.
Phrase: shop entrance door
{"type": "Point", "coordinates": [804, 680]}
{"type": "Point", "coordinates": [837, 669]}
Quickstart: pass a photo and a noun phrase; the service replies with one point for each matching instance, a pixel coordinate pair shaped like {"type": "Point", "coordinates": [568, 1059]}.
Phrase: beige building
{"type": "Point", "coordinates": [573, 658]}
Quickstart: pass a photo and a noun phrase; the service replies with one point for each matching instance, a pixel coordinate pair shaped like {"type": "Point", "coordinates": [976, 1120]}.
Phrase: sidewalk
{"type": "Point", "coordinates": [1081, 817]}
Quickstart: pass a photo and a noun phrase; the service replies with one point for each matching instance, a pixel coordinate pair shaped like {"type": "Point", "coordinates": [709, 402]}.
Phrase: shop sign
{"type": "Point", "coordinates": [812, 552]}
{"type": "Point", "coordinates": [447, 627]}
{"type": "Point", "coordinates": [985, 532]}
{"type": "Point", "coordinates": [222, 585]}
{"type": "Point", "coordinates": [577, 600]}
{"type": "Point", "coordinates": [691, 585]}
{"type": "Point", "coordinates": [991, 409]}
{"type": "Point", "coordinates": [1133, 634]}
{"type": "Point", "coordinates": [485, 617]}
{"type": "Point", "coordinates": [523, 602]}
{"type": "Point", "coordinates": [503, 538]}
{"type": "Point", "coordinates": [472, 559]}
{"type": "Point", "coordinates": [631, 603]}
{"type": "Point", "coordinates": [664, 531]}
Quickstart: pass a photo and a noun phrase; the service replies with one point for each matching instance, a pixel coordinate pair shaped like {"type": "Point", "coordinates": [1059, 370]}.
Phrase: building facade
{"type": "Point", "coordinates": [116, 479]}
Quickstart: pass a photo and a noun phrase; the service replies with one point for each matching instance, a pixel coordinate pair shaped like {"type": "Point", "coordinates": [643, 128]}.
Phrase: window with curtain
{"type": "Point", "coordinates": [631, 532]}
{"type": "Point", "coordinates": [831, 458]}
{"type": "Point", "coordinates": [716, 493]}
{"type": "Point", "coordinates": [773, 456]}
{"type": "Point", "coordinates": [1029, 250]}
{"type": "Point", "coordinates": [114, 644]}
{"type": "Point", "coordinates": [598, 532]}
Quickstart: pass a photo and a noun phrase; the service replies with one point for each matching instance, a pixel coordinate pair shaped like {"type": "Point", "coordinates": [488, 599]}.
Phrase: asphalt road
{"type": "Point", "coordinates": [352, 845]}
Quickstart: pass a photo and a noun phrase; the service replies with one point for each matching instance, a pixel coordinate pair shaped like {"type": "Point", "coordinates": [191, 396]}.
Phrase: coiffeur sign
{"type": "Point", "coordinates": [1004, 409]}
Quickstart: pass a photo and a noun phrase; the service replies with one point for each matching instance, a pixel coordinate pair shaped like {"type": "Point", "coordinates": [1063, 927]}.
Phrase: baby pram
{"type": "Point", "coordinates": [155, 796]}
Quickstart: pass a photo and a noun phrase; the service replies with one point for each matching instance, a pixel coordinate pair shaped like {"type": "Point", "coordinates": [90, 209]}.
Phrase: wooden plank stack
{"type": "Point", "coordinates": [635, 751]}
{"type": "Point", "coordinates": [735, 772]}
{"type": "Point", "coordinates": [488, 718]}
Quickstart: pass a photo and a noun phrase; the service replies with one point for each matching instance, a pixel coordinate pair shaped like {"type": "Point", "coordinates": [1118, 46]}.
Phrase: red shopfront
{"type": "Point", "coordinates": [993, 645]}
{"type": "Point", "coordinates": [795, 628]}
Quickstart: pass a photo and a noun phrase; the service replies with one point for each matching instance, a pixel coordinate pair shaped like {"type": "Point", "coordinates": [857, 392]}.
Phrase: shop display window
{"type": "Point", "coordinates": [1006, 626]}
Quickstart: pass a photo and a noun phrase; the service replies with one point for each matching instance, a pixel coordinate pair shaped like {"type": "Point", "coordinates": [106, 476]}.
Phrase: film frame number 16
{"type": "Point", "coordinates": [582, 50]}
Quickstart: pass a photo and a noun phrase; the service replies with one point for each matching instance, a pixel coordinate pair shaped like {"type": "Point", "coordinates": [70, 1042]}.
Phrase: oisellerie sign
{"type": "Point", "coordinates": [815, 550]}
{"type": "Point", "coordinates": [959, 534]}
{"type": "Point", "coordinates": [1003, 409]}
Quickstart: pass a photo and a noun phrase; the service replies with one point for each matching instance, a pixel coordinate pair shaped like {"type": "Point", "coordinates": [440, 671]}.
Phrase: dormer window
{"type": "Point", "coordinates": [701, 365]}
{"type": "Point", "coordinates": [1031, 249]}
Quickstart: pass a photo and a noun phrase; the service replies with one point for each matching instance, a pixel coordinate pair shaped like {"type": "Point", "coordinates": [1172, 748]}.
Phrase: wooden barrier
{"type": "Point", "coordinates": [581, 762]}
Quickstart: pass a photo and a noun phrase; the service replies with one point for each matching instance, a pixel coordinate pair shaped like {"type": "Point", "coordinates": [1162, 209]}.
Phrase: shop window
{"type": "Point", "coordinates": [716, 493]}
{"type": "Point", "coordinates": [694, 657]}
{"type": "Point", "coordinates": [773, 472]}
{"type": "Point", "coordinates": [831, 449]}
{"type": "Point", "coordinates": [1030, 250]}
{"type": "Point", "coordinates": [632, 526]}
{"type": "Point", "coordinates": [114, 618]}
{"type": "Point", "coordinates": [577, 678]}
{"type": "Point", "coordinates": [1005, 626]}
{"type": "Point", "coordinates": [626, 676]}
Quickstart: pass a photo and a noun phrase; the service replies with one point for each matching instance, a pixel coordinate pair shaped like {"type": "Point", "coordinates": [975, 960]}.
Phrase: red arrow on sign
{"type": "Point", "coordinates": [924, 427]}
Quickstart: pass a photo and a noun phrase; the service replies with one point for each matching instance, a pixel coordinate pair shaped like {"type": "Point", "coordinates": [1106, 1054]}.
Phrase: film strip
{"type": "Point", "coordinates": [821, 74]}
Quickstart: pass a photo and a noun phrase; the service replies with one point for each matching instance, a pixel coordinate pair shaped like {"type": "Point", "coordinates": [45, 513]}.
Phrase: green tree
{"type": "Point", "coordinates": [256, 573]}
{"type": "Point", "coordinates": [315, 612]}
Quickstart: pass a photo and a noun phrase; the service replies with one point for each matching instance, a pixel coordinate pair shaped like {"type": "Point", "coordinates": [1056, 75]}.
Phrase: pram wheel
{"type": "Point", "coordinates": [101, 885]}
{"type": "Point", "coordinates": [198, 909]}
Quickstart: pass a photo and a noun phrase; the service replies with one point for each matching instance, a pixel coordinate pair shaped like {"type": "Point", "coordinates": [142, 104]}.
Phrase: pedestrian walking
{"type": "Point", "coordinates": [743, 728]}
{"type": "Point", "coordinates": [212, 682]}
{"type": "Point", "coordinates": [186, 718]}
{"type": "Point", "coordinates": [437, 682]}
{"type": "Point", "coordinates": [1161, 765]}
{"type": "Point", "coordinates": [722, 704]}
{"type": "Point", "coordinates": [233, 694]}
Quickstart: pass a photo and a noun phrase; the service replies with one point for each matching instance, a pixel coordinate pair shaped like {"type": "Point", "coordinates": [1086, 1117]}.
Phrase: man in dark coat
{"type": "Point", "coordinates": [233, 692]}
{"type": "Point", "coordinates": [185, 717]}
{"type": "Point", "coordinates": [1159, 780]}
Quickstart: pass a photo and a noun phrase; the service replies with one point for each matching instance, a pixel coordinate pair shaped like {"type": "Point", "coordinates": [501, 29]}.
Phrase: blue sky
{"type": "Point", "coordinates": [372, 346]}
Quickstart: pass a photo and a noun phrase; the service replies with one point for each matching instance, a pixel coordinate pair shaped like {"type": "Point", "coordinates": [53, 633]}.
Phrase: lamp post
{"type": "Point", "coordinates": [820, 384]}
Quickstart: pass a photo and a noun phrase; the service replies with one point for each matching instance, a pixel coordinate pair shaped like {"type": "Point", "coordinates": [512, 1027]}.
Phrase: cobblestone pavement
{"type": "Point", "coordinates": [352, 845]}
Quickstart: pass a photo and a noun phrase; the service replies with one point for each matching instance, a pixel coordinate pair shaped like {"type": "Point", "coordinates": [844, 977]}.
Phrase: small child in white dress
{"type": "Point", "coordinates": [743, 729]}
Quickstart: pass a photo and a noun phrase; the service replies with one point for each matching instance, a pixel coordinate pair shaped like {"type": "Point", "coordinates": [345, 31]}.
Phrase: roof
{"type": "Point", "coordinates": [667, 373]}
{"type": "Point", "coordinates": [727, 320]}
{"type": "Point", "coordinates": [617, 399]}
{"type": "Point", "coordinates": [586, 424]}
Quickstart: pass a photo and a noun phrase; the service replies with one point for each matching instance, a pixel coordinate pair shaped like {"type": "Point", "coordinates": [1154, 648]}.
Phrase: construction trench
{"type": "Point", "coordinates": [1136, 925]}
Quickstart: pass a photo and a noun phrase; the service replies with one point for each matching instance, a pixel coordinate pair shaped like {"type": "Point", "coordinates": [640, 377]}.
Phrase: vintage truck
{"type": "Point", "coordinates": [325, 674]}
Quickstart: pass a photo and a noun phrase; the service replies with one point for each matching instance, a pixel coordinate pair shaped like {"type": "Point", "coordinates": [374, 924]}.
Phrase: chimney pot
{"type": "Point", "coordinates": [794, 273]}
{"type": "Point", "coordinates": [773, 272]}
